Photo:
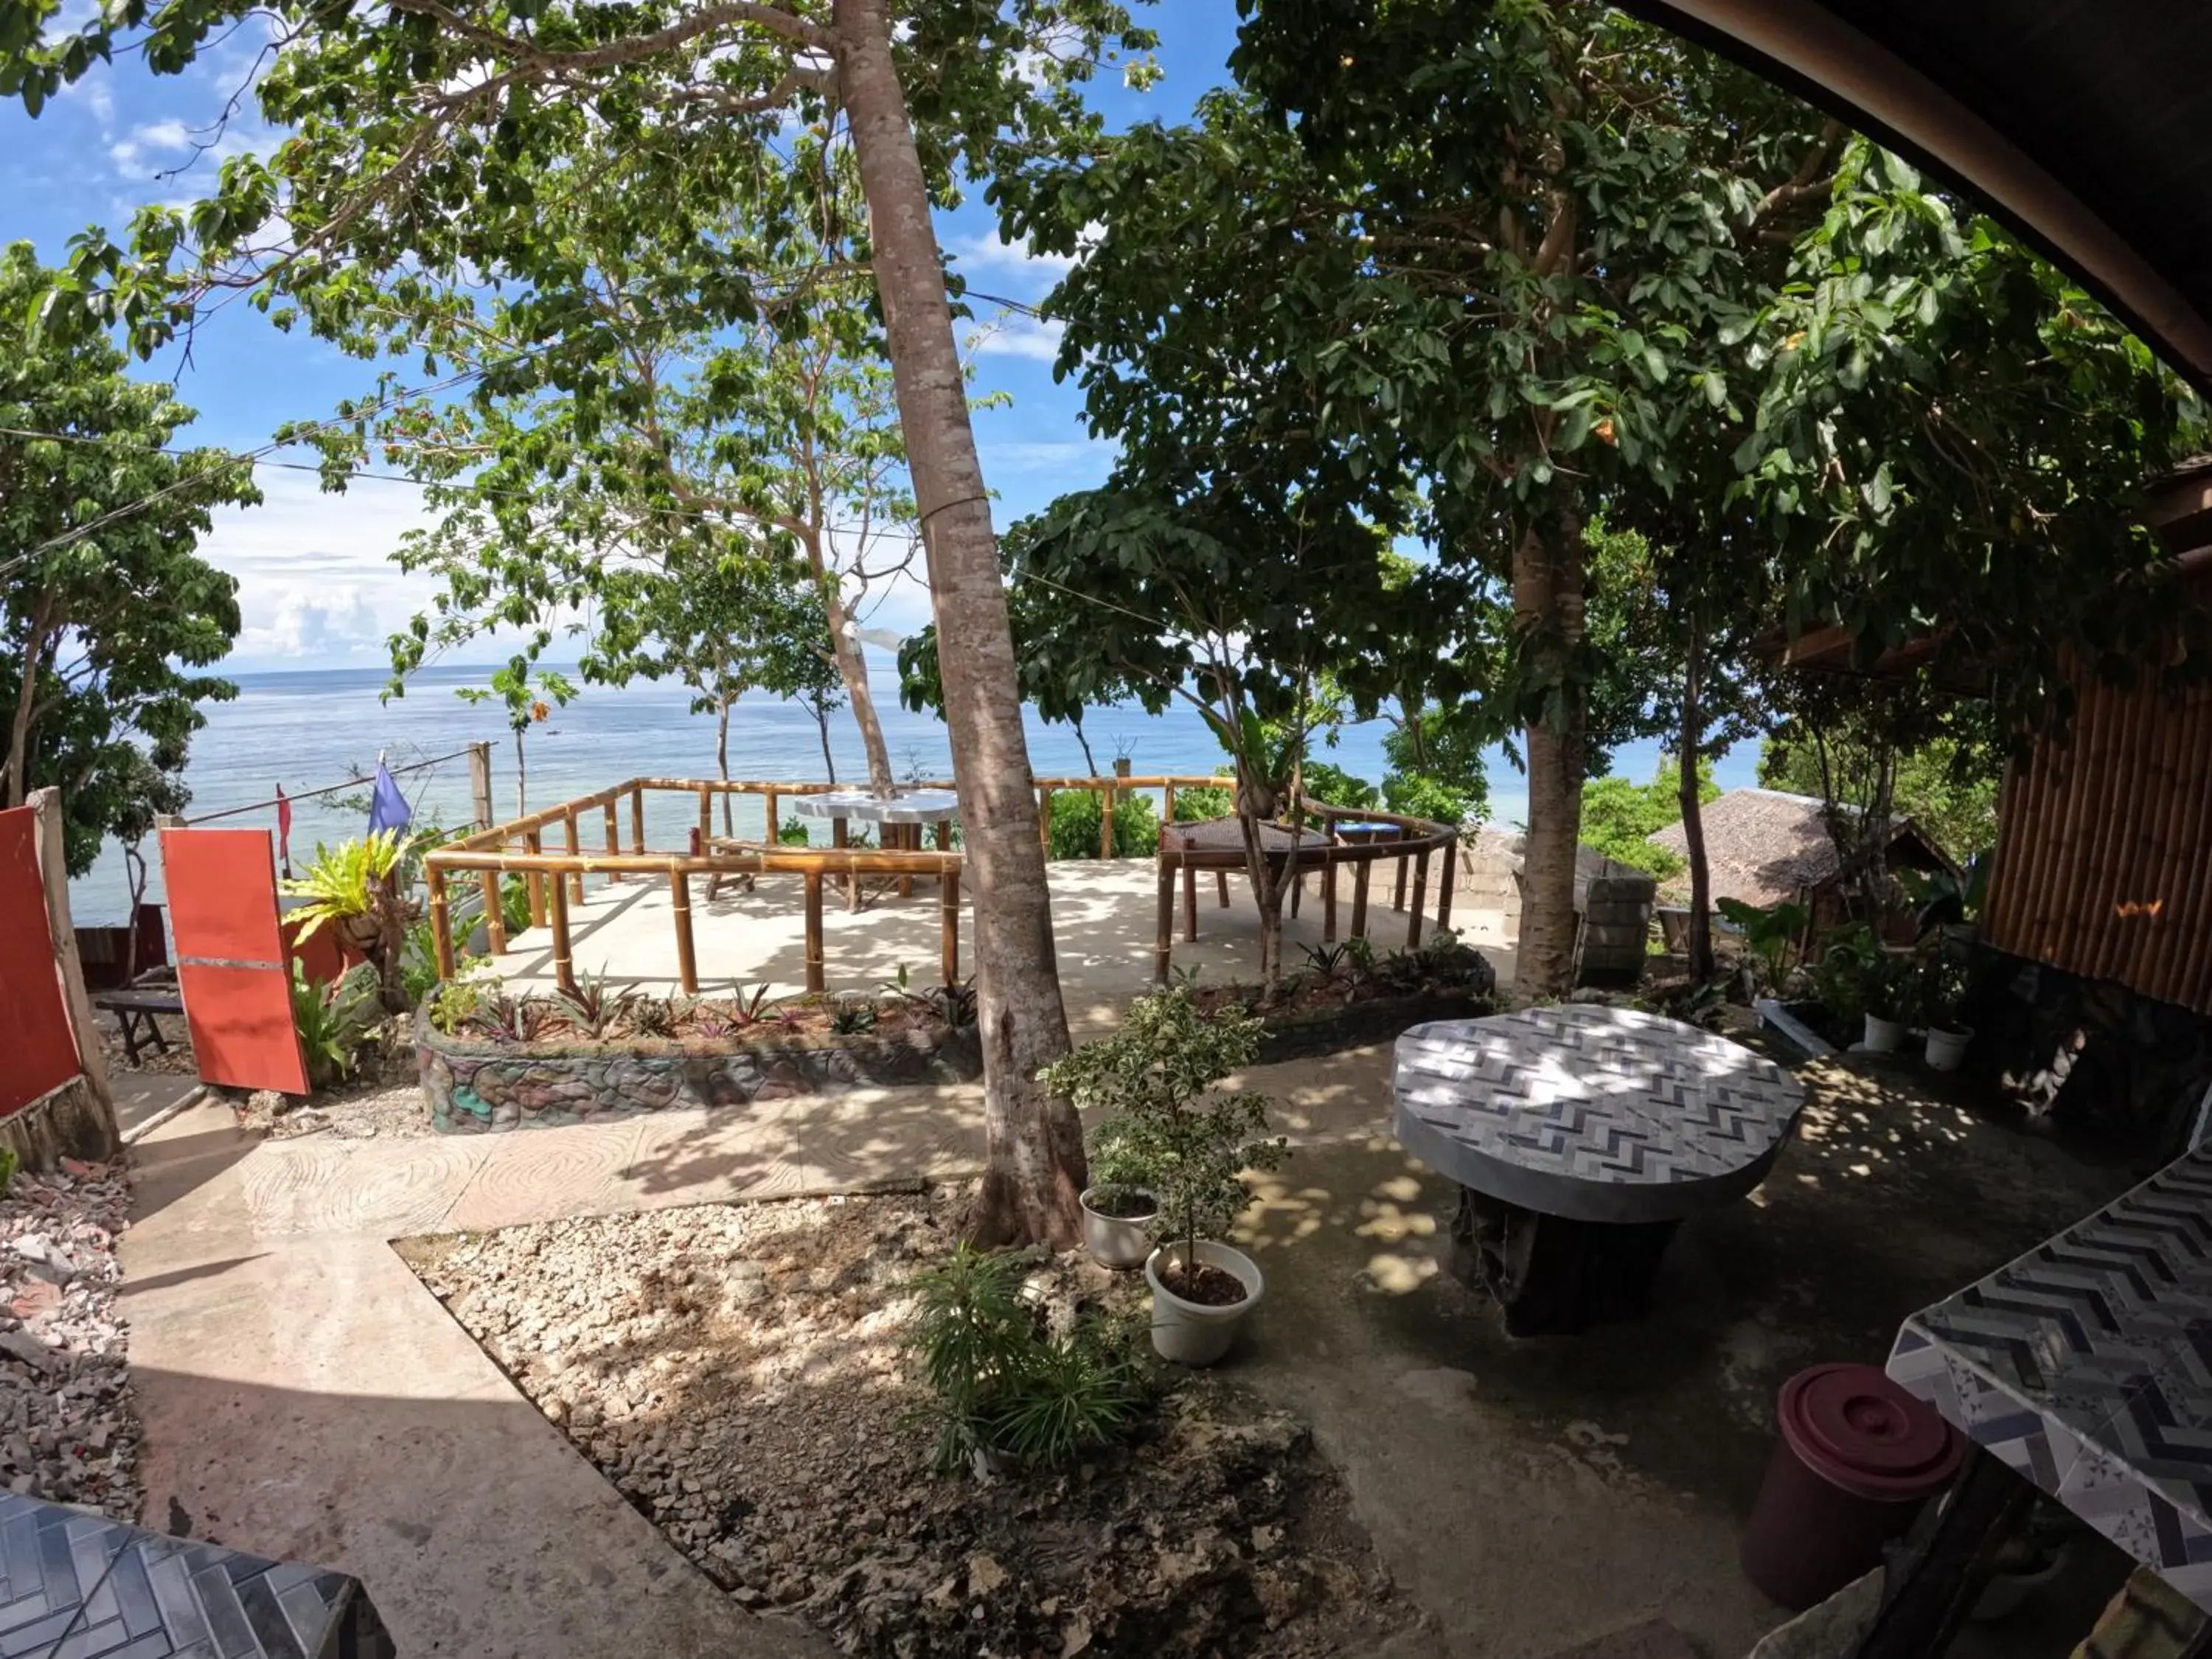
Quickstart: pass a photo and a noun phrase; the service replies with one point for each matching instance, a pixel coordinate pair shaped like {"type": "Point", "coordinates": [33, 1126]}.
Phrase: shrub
{"type": "Point", "coordinates": [1199, 802]}
{"type": "Point", "coordinates": [514, 903]}
{"type": "Point", "coordinates": [8, 1166]}
{"type": "Point", "coordinates": [592, 1007]}
{"type": "Point", "coordinates": [1334, 786]}
{"type": "Point", "coordinates": [1002, 1387]}
{"type": "Point", "coordinates": [458, 1000]}
{"type": "Point", "coordinates": [791, 832]}
{"type": "Point", "coordinates": [332, 1021]}
{"type": "Point", "coordinates": [1075, 826]}
{"type": "Point", "coordinates": [1156, 1075]}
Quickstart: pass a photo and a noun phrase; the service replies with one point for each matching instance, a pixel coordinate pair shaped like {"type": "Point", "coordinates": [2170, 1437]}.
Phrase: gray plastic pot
{"type": "Point", "coordinates": [1884, 1036]}
{"type": "Point", "coordinates": [1191, 1332]}
{"type": "Point", "coordinates": [1115, 1241]}
{"type": "Point", "coordinates": [1946, 1049]}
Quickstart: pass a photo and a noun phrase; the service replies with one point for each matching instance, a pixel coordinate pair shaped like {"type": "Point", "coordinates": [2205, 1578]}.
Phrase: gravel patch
{"type": "Point", "coordinates": [738, 1372]}
{"type": "Point", "coordinates": [68, 1431]}
{"type": "Point", "coordinates": [382, 1101]}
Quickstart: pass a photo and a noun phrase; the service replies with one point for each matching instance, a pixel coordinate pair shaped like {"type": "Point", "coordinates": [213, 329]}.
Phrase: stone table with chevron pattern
{"type": "Point", "coordinates": [1581, 1136]}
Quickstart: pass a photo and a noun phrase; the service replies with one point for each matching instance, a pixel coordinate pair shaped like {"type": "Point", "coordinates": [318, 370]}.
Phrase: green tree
{"type": "Point", "coordinates": [1879, 753]}
{"type": "Point", "coordinates": [421, 136]}
{"type": "Point", "coordinates": [1480, 256]}
{"type": "Point", "coordinates": [1618, 816]}
{"type": "Point", "coordinates": [106, 614]}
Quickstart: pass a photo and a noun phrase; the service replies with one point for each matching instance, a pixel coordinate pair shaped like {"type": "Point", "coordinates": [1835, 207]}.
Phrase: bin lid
{"type": "Point", "coordinates": [1857, 1429]}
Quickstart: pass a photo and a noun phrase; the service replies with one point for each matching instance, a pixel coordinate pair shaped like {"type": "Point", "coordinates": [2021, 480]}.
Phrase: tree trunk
{"type": "Point", "coordinates": [1090, 760]}
{"type": "Point", "coordinates": [822, 724]}
{"type": "Point", "coordinates": [1034, 1166]}
{"type": "Point", "coordinates": [521, 778]}
{"type": "Point", "coordinates": [722, 763]}
{"type": "Point", "coordinates": [852, 668]}
{"type": "Point", "coordinates": [26, 698]}
{"type": "Point", "coordinates": [1693, 810]}
{"type": "Point", "coordinates": [1547, 612]}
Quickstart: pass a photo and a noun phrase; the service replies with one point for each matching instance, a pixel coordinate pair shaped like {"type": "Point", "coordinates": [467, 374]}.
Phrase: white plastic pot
{"type": "Point", "coordinates": [1884, 1036]}
{"type": "Point", "coordinates": [1191, 1332]}
{"type": "Point", "coordinates": [1116, 1241]}
{"type": "Point", "coordinates": [1947, 1048]}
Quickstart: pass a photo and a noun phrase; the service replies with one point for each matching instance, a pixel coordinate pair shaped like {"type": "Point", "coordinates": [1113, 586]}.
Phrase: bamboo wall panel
{"type": "Point", "coordinates": [2104, 863]}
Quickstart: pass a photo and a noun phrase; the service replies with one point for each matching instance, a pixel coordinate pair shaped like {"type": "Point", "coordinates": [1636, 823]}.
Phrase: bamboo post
{"type": "Point", "coordinates": [909, 841]}
{"type": "Point", "coordinates": [1398, 893]}
{"type": "Point", "coordinates": [556, 898]}
{"type": "Point", "coordinates": [1106, 823]}
{"type": "Point", "coordinates": [1361, 873]}
{"type": "Point", "coordinates": [534, 844]}
{"type": "Point", "coordinates": [775, 821]}
{"type": "Point", "coordinates": [1420, 899]}
{"type": "Point", "coordinates": [941, 833]}
{"type": "Point", "coordinates": [1044, 820]}
{"type": "Point", "coordinates": [948, 912]}
{"type": "Point", "coordinates": [816, 981]}
{"type": "Point", "coordinates": [1328, 897]}
{"type": "Point", "coordinates": [687, 960]}
{"type": "Point", "coordinates": [442, 921]}
{"type": "Point", "coordinates": [1444, 882]}
{"type": "Point", "coordinates": [494, 916]}
{"type": "Point", "coordinates": [706, 812]}
{"type": "Point", "coordinates": [1167, 802]}
{"type": "Point", "coordinates": [1164, 933]}
{"type": "Point", "coordinates": [575, 847]}
{"type": "Point", "coordinates": [637, 820]}
{"type": "Point", "coordinates": [614, 840]}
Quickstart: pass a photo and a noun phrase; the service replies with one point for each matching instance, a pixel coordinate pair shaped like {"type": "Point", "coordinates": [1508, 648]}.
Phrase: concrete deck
{"type": "Point", "coordinates": [1103, 918]}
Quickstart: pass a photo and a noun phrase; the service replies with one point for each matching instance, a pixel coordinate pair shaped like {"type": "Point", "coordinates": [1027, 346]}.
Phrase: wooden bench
{"type": "Point", "coordinates": [135, 1009]}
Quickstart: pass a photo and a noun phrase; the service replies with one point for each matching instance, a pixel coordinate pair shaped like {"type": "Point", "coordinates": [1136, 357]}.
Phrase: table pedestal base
{"type": "Point", "coordinates": [1551, 1276]}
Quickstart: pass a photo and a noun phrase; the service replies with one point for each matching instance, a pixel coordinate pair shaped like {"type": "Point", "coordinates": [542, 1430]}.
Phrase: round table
{"type": "Point", "coordinates": [1581, 1137]}
{"type": "Point", "coordinates": [902, 817]}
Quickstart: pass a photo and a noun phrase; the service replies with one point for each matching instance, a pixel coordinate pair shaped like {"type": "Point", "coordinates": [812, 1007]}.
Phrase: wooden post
{"type": "Point", "coordinates": [1044, 820]}
{"type": "Point", "coordinates": [495, 915]}
{"type": "Point", "coordinates": [1360, 874]}
{"type": "Point", "coordinates": [706, 812]}
{"type": "Point", "coordinates": [50, 840]}
{"type": "Point", "coordinates": [614, 840]}
{"type": "Point", "coordinates": [442, 921]}
{"type": "Point", "coordinates": [1167, 804]}
{"type": "Point", "coordinates": [480, 784]}
{"type": "Point", "coordinates": [1398, 895]}
{"type": "Point", "coordinates": [1221, 887]}
{"type": "Point", "coordinates": [1420, 899]}
{"type": "Point", "coordinates": [816, 981]}
{"type": "Point", "coordinates": [1444, 882]}
{"type": "Point", "coordinates": [534, 843]}
{"type": "Point", "coordinates": [687, 961]}
{"type": "Point", "coordinates": [774, 836]}
{"type": "Point", "coordinates": [948, 913]}
{"type": "Point", "coordinates": [840, 836]}
{"type": "Point", "coordinates": [557, 899]}
{"type": "Point", "coordinates": [637, 821]}
{"type": "Point", "coordinates": [1106, 823]}
{"type": "Point", "coordinates": [575, 845]}
{"type": "Point", "coordinates": [1328, 899]}
{"type": "Point", "coordinates": [941, 833]}
{"type": "Point", "coordinates": [1189, 905]}
{"type": "Point", "coordinates": [909, 841]}
{"type": "Point", "coordinates": [1163, 935]}
{"type": "Point", "coordinates": [1946, 1561]}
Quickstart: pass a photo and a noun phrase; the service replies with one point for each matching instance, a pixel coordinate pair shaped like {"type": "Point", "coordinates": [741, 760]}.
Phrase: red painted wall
{"type": "Point", "coordinates": [38, 1049]}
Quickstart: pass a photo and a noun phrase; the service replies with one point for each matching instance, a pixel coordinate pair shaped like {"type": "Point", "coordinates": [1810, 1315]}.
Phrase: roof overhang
{"type": "Point", "coordinates": [2085, 125]}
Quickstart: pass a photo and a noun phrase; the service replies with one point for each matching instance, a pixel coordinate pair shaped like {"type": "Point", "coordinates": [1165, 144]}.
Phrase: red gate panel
{"type": "Point", "coordinates": [237, 984]}
{"type": "Point", "coordinates": [38, 1049]}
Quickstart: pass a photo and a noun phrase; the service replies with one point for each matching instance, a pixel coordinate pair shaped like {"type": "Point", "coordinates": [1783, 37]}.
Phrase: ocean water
{"type": "Point", "coordinates": [308, 729]}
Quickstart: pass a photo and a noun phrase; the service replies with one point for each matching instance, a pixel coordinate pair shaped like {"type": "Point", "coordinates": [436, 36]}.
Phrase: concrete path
{"type": "Point", "coordinates": [304, 1397]}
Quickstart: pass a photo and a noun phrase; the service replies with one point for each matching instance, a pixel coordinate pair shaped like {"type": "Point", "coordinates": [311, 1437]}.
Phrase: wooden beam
{"type": "Point", "coordinates": [1444, 881]}
{"type": "Point", "coordinates": [534, 844]}
{"type": "Point", "coordinates": [1360, 872]}
{"type": "Point", "coordinates": [494, 913]}
{"type": "Point", "coordinates": [637, 821]}
{"type": "Point", "coordinates": [441, 922]}
{"type": "Point", "coordinates": [948, 920]}
{"type": "Point", "coordinates": [1420, 901]}
{"type": "Point", "coordinates": [614, 841]}
{"type": "Point", "coordinates": [1163, 934]}
{"type": "Point", "coordinates": [557, 900]}
{"type": "Point", "coordinates": [575, 847]}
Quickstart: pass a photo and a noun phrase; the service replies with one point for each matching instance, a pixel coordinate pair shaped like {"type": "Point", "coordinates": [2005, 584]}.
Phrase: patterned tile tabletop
{"type": "Point", "coordinates": [1591, 1112]}
{"type": "Point", "coordinates": [908, 806]}
{"type": "Point", "coordinates": [2087, 1365]}
{"type": "Point", "coordinates": [74, 1585]}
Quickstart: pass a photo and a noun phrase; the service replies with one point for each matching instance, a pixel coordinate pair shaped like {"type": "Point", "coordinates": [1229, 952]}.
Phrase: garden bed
{"type": "Point", "coordinates": [741, 1373]}
{"type": "Point", "coordinates": [506, 1072]}
{"type": "Point", "coordinates": [1352, 1000]}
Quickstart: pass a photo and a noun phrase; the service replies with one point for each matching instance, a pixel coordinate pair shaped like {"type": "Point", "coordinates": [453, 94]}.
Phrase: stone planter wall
{"type": "Point", "coordinates": [1360, 1024]}
{"type": "Point", "coordinates": [473, 1086]}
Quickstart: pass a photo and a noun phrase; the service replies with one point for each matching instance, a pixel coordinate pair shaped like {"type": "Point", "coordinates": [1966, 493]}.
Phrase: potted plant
{"type": "Point", "coordinates": [1942, 987]}
{"type": "Point", "coordinates": [1118, 1207]}
{"type": "Point", "coordinates": [1156, 1075]}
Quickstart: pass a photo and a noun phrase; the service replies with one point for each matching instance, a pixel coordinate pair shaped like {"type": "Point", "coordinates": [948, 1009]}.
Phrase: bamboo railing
{"type": "Point", "coordinates": [556, 876]}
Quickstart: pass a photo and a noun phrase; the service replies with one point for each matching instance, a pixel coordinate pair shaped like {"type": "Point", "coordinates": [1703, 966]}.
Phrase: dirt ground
{"type": "Point", "coordinates": [1536, 1495]}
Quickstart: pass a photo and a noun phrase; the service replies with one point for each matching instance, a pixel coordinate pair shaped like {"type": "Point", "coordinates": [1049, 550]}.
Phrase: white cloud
{"type": "Point", "coordinates": [978, 254]}
{"type": "Point", "coordinates": [314, 571]}
{"type": "Point", "coordinates": [1084, 456]}
{"type": "Point", "coordinates": [169, 134]}
{"type": "Point", "coordinates": [1035, 338]}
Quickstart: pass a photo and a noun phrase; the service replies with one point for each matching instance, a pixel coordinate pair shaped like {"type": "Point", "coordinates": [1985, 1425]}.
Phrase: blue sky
{"type": "Point", "coordinates": [316, 586]}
